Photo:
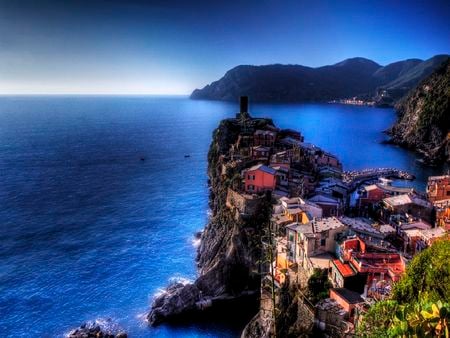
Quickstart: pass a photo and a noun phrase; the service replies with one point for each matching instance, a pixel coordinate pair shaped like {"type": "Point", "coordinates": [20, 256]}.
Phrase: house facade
{"type": "Point", "coordinates": [259, 178]}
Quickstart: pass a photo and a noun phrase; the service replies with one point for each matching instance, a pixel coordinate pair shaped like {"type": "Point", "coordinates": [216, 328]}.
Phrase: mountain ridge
{"type": "Point", "coordinates": [353, 77]}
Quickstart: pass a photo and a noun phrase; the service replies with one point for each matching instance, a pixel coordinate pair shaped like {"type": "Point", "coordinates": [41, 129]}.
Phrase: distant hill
{"type": "Point", "coordinates": [290, 83]}
{"type": "Point", "coordinates": [424, 117]}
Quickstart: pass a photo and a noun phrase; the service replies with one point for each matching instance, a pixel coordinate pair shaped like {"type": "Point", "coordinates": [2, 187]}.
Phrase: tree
{"type": "Point", "coordinates": [318, 285]}
{"type": "Point", "coordinates": [427, 276]}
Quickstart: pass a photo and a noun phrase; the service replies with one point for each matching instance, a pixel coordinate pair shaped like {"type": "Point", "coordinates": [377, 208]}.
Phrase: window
{"type": "Point", "coordinates": [323, 242]}
{"type": "Point", "coordinates": [448, 192]}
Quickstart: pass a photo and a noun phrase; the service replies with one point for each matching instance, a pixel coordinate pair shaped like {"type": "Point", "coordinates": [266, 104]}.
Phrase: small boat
{"type": "Point", "coordinates": [186, 156]}
{"type": "Point", "coordinates": [142, 158]}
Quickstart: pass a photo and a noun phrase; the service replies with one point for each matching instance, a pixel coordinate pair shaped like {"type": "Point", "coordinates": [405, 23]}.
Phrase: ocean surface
{"type": "Point", "coordinates": [99, 206]}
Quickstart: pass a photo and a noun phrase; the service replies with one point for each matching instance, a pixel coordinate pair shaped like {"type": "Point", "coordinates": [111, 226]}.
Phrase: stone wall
{"type": "Point", "coordinates": [246, 204]}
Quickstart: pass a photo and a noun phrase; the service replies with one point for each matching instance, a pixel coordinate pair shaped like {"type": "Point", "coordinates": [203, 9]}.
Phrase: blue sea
{"type": "Point", "coordinates": [99, 206]}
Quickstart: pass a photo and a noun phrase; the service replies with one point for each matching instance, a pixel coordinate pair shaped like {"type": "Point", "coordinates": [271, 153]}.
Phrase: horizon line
{"type": "Point", "coordinates": [91, 94]}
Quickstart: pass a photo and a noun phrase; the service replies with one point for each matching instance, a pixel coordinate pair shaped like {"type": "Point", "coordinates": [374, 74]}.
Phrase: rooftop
{"type": "Point", "coordinates": [391, 188]}
{"type": "Point", "coordinates": [398, 200]}
{"type": "Point", "coordinates": [437, 178]}
{"type": "Point", "coordinates": [433, 233]}
{"type": "Point", "coordinates": [321, 261]}
{"type": "Point", "coordinates": [328, 223]}
{"type": "Point", "coordinates": [324, 199]}
{"type": "Point", "coordinates": [263, 168]}
{"type": "Point", "coordinates": [300, 228]}
{"type": "Point", "coordinates": [442, 203]}
{"type": "Point", "coordinates": [344, 268]}
{"type": "Point", "coordinates": [359, 224]}
{"type": "Point", "coordinates": [350, 296]}
{"type": "Point", "coordinates": [264, 132]}
{"type": "Point", "coordinates": [416, 225]}
{"type": "Point", "coordinates": [370, 187]}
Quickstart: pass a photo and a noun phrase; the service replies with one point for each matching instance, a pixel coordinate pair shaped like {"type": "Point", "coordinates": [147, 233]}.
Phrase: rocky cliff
{"type": "Point", "coordinates": [229, 254]}
{"type": "Point", "coordinates": [293, 83]}
{"type": "Point", "coordinates": [424, 117]}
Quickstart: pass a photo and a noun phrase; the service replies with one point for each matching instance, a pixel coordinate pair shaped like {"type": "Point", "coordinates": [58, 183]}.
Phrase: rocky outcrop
{"type": "Point", "coordinates": [258, 327]}
{"type": "Point", "coordinates": [424, 117]}
{"type": "Point", "coordinates": [97, 329]}
{"type": "Point", "coordinates": [229, 253]}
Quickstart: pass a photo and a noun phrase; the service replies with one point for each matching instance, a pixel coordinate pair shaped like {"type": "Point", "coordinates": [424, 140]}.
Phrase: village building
{"type": "Point", "coordinates": [264, 138]}
{"type": "Point", "coordinates": [294, 134]}
{"type": "Point", "coordinates": [260, 153]}
{"type": "Point", "coordinates": [325, 159]}
{"type": "Point", "coordinates": [282, 158]}
{"type": "Point", "coordinates": [407, 204]}
{"type": "Point", "coordinates": [333, 187]}
{"type": "Point", "coordinates": [311, 245]}
{"type": "Point", "coordinates": [418, 236]}
{"type": "Point", "coordinates": [291, 210]}
{"type": "Point", "coordinates": [331, 206]}
{"type": "Point", "coordinates": [282, 176]}
{"type": "Point", "coordinates": [442, 209]}
{"type": "Point", "coordinates": [371, 273]}
{"type": "Point", "coordinates": [374, 193]}
{"type": "Point", "coordinates": [259, 178]}
{"type": "Point", "coordinates": [438, 188]}
{"type": "Point", "coordinates": [347, 299]}
{"type": "Point", "coordinates": [367, 229]}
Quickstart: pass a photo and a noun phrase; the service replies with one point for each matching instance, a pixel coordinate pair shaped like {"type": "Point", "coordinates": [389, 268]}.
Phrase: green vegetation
{"type": "Point", "coordinates": [318, 286]}
{"type": "Point", "coordinates": [423, 116]}
{"type": "Point", "coordinates": [420, 301]}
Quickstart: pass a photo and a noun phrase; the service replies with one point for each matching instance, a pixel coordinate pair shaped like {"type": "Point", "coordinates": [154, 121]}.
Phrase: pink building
{"type": "Point", "coordinates": [260, 178]}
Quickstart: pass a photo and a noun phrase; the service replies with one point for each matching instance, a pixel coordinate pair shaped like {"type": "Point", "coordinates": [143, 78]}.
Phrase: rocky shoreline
{"type": "Point", "coordinates": [229, 252]}
{"type": "Point", "coordinates": [423, 123]}
{"type": "Point", "coordinates": [97, 329]}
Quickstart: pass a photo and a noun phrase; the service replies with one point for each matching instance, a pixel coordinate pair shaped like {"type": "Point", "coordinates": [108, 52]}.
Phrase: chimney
{"type": "Point", "coordinates": [244, 104]}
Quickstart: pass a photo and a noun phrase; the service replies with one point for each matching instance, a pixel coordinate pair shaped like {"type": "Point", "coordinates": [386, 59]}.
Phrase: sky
{"type": "Point", "coordinates": [173, 47]}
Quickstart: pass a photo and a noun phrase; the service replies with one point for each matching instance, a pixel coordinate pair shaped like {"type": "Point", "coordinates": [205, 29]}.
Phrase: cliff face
{"type": "Point", "coordinates": [229, 253]}
{"type": "Point", "coordinates": [293, 83]}
{"type": "Point", "coordinates": [424, 117]}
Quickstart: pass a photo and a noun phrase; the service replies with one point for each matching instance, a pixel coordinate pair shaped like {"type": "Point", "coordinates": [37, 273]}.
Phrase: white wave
{"type": "Point", "coordinates": [159, 292]}
{"type": "Point", "coordinates": [196, 242]}
{"type": "Point", "coordinates": [107, 325]}
{"type": "Point", "coordinates": [182, 280]}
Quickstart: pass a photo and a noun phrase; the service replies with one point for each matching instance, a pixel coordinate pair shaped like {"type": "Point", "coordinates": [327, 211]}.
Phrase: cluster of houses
{"type": "Point", "coordinates": [362, 255]}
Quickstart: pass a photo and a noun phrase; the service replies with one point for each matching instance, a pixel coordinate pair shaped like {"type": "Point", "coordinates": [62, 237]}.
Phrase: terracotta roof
{"type": "Point", "coordinates": [344, 268]}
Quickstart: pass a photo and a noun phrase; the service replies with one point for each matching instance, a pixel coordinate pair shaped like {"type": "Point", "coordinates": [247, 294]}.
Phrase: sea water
{"type": "Point", "coordinates": [99, 205]}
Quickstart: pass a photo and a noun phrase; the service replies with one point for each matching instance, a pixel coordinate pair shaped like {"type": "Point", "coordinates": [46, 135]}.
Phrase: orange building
{"type": "Point", "coordinates": [438, 188]}
{"type": "Point", "coordinates": [260, 178]}
{"type": "Point", "coordinates": [442, 208]}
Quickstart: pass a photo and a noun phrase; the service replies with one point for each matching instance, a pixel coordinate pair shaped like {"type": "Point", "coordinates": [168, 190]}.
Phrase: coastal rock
{"type": "Point", "coordinates": [178, 298]}
{"type": "Point", "coordinates": [424, 118]}
{"type": "Point", "coordinates": [97, 329]}
{"type": "Point", "coordinates": [258, 327]}
{"type": "Point", "coordinates": [229, 252]}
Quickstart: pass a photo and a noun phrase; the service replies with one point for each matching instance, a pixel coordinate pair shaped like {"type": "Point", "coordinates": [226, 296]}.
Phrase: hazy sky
{"type": "Point", "coordinates": [163, 46]}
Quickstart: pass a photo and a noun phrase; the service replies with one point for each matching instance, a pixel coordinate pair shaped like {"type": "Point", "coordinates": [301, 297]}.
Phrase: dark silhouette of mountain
{"type": "Point", "coordinates": [290, 83]}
